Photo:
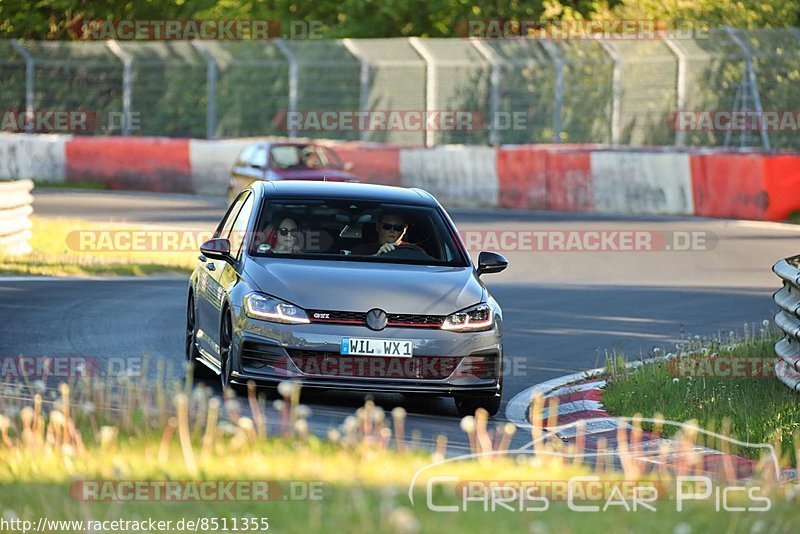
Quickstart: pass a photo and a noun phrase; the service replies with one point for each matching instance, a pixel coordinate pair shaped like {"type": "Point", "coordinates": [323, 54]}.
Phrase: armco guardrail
{"type": "Point", "coordinates": [15, 223]}
{"type": "Point", "coordinates": [788, 319]}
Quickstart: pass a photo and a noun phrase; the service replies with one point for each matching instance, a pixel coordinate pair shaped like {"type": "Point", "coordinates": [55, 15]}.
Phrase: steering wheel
{"type": "Point", "coordinates": [407, 251]}
{"type": "Point", "coordinates": [410, 246]}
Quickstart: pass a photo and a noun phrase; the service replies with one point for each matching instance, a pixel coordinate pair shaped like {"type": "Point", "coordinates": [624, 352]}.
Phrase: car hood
{"type": "Point", "coordinates": [313, 174]}
{"type": "Point", "coordinates": [361, 286]}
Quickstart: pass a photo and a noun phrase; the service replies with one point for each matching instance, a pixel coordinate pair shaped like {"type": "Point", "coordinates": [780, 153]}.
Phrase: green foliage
{"type": "Point", "coordinates": [715, 13]}
{"type": "Point", "coordinates": [61, 19]}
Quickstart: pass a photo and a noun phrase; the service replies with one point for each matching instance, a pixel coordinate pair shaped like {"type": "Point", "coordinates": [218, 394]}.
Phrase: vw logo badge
{"type": "Point", "coordinates": [376, 319]}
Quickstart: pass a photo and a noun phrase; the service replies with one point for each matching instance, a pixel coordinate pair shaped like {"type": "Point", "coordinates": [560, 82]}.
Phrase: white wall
{"type": "Point", "coordinates": [456, 175]}
{"type": "Point", "coordinates": [642, 182]}
{"type": "Point", "coordinates": [36, 157]}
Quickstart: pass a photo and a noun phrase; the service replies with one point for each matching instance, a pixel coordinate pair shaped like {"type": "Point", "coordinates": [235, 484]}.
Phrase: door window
{"type": "Point", "coordinates": [224, 228]}
{"type": "Point", "coordinates": [239, 229]}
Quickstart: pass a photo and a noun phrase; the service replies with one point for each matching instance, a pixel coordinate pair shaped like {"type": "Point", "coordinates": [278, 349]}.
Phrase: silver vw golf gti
{"type": "Point", "coordinates": [346, 287]}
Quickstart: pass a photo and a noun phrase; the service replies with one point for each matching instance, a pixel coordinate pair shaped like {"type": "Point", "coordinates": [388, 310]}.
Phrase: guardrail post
{"type": "Point", "coordinates": [750, 73]}
{"type": "Point", "coordinates": [494, 89]}
{"type": "Point", "coordinates": [211, 90]}
{"type": "Point", "coordinates": [30, 79]}
{"type": "Point", "coordinates": [680, 134]}
{"type": "Point", "coordinates": [787, 369]}
{"type": "Point", "coordinates": [616, 92]}
{"type": "Point", "coordinates": [293, 79]}
{"type": "Point", "coordinates": [558, 94]}
{"type": "Point", "coordinates": [430, 84]}
{"type": "Point", "coordinates": [127, 83]}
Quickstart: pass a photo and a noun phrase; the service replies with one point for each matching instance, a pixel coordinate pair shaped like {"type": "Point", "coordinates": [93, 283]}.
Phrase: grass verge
{"type": "Point", "coordinates": [793, 218]}
{"type": "Point", "coordinates": [113, 432]}
{"type": "Point", "coordinates": [726, 384]}
{"type": "Point", "coordinates": [83, 184]}
{"type": "Point", "coordinates": [57, 251]}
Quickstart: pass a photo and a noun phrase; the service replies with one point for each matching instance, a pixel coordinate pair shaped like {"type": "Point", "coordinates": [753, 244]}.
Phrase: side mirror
{"type": "Point", "coordinates": [491, 262]}
{"type": "Point", "coordinates": [218, 248]}
{"type": "Point", "coordinates": [348, 166]}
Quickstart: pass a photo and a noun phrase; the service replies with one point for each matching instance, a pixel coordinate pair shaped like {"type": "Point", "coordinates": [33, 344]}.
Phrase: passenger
{"type": "Point", "coordinates": [283, 235]}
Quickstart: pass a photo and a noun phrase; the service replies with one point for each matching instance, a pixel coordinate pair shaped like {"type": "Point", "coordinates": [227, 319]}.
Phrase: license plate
{"type": "Point", "coordinates": [358, 346]}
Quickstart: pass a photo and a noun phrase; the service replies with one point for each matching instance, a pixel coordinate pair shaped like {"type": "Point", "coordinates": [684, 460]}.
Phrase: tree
{"type": "Point", "coordinates": [62, 19]}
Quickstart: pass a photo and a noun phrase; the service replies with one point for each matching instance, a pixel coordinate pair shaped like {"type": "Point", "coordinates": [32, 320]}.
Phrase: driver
{"type": "Point", "coordinates": [312, 159]}
{"type": "Point", "coordinates": [392, 228]}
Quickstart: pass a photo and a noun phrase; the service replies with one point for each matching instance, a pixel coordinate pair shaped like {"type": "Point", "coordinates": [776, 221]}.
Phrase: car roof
{"type": "Point", "coordinates": [270, 144]}
{"type": "Point", "coordinates": [290, 143]}
{"type": "Point", "coordinates": [267, 145]}
{"type": "Point", "coordinates": [345, 190]}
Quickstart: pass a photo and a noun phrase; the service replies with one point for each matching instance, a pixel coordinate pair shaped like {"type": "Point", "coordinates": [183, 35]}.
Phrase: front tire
{"type": "Point", "coordinates": [469, 405]}
{"type": "Point", "coordinates": [197, 369]}
{"type": "Point", "coordinates": [225, 351]}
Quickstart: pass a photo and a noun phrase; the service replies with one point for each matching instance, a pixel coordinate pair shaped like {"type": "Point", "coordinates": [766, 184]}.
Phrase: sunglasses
{"type": "Point", "coordinates": [286, 231]}
{"type": "Point", "coordinates": [397, 227]}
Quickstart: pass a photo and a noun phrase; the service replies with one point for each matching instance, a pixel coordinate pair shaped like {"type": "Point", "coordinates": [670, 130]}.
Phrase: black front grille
{"type": "Point", "coordinates": [262, 357]}
{"type": "Point", "coordinates": [423, 321]}
{"type": "Point", "coordinates": [329, 363]}
{"type": "Point", "coordinates": [339, 317]}
{"type": "Point", "coordinates": [359, 318]}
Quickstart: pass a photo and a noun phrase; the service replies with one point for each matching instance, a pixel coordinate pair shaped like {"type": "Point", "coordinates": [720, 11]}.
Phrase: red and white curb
{"type": "Point", "coordinates": [579, 398]}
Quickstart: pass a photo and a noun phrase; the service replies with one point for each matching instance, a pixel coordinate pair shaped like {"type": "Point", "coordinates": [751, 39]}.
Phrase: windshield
{"type": "Point", "coordinates": [301, 157]}
{"type": "Point", "coordinates": [351, 230]}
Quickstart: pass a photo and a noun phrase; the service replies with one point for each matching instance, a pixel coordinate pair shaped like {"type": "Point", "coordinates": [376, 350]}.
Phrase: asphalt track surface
{"type": "Point", "coordinates": [563, 310]}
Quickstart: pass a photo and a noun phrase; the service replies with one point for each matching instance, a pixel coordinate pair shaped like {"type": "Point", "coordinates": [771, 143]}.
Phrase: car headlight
{"type": "Point", "coordinates": [266, 308]}
{"type": "Point", "coordinates": [476, 318]}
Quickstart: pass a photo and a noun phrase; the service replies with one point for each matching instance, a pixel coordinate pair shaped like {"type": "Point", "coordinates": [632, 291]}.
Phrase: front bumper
{"type": "Point", "coordinates": [444, 363]}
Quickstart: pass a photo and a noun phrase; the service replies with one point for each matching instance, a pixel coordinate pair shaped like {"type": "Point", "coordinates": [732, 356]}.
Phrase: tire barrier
{"type": "Point", "coordinates": [546, 177]}
{"type": "Point", "coordinates": [787, 369]}
{"type": "Point", "coordinates": [211, 162]}
{"type": "Point", "coordinates": [374, 163]}
{"type": "Point", "coordinates": [642, 182]}
{"type": "Point", "coordinates": [570, 184]}
{"type": "Point", "coordinates": [139, 163]}
{"type": "Point", "coordinates": [583, 178]}
{"type": "Point", "coordinates": [462, 176]}
{"type": "Point", "coordinates": [15, 223]}
{"type": "Point", "coordinates": [729, 185]}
